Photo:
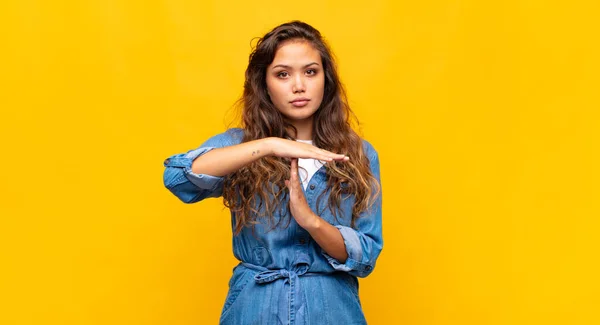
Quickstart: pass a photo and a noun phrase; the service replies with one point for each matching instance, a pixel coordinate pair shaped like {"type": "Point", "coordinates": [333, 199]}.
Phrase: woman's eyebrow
{"type": "Point", "coordinates": [288, 67]}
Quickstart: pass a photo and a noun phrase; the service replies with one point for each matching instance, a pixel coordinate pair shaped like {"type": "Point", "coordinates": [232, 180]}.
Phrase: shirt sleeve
{"type": "Point", "coordinates": [365, 243]}
{"type": "Point", "coordinates": [188, 186]}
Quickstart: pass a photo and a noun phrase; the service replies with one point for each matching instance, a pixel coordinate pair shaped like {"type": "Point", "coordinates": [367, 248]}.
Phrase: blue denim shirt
{"type": "Point", "coordinates": [315, 288]}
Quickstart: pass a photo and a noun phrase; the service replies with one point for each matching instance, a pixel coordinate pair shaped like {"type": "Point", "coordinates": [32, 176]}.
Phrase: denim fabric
{"type": "Point", "coordinates": [284, 277]}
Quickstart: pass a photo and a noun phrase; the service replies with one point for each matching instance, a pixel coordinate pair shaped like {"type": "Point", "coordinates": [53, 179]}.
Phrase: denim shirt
{"type": "Point", "coordinates": [316, 288]}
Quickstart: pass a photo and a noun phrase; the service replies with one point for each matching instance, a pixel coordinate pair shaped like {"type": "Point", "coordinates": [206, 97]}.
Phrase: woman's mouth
{"type": "Point", "coordinates": [300, 102]}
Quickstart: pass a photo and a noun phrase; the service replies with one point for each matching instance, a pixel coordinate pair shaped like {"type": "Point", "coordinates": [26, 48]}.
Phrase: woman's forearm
{"type": "Point", "coordinates": [223, 161]}
{"type": "Point", "coordinates": [329, 239]}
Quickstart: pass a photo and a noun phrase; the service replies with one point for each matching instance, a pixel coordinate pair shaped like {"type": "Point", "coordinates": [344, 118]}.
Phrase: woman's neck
{"type": "Point", "coordinates": [304, 128]}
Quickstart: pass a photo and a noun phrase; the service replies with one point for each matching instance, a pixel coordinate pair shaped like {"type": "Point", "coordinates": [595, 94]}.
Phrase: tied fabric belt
{"type": "Point", "coordinates": [295, 297]}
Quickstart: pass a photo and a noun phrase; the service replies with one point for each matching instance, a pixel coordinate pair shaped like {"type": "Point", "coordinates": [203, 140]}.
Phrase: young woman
{"type": "Point", "coordinates": [303, 188]}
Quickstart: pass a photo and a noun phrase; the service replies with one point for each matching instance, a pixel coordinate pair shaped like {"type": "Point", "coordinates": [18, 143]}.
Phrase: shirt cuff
{"type": "Point", "coordinates": [203, 181]}
{"type": "Point", "coordinates": [353, 248]}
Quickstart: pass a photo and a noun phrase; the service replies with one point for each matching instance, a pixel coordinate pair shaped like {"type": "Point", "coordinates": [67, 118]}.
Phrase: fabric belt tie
{"type": "Point", "coordinates": [295, 297]}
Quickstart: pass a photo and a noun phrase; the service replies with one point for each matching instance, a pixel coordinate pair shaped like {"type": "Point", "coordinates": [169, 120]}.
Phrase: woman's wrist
{"type": "Point", "coordinates": [266, 146]}
{"type": "Point", "coordinates": [313, 223]}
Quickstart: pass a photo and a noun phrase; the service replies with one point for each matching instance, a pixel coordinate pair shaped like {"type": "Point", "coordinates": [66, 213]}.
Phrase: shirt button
{"type": "Point", "coordinates": [167, 161]}
{"type": "Point", "coordinates": [302, 241]}
{"type": "Point", "coordinates": [368, 268]}
{"type": "Point", "coordinates": [312, 186]}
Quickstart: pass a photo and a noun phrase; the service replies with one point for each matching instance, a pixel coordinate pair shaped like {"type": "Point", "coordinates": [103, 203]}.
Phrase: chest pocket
{"type": "Point", "coordinates": [262, 256]}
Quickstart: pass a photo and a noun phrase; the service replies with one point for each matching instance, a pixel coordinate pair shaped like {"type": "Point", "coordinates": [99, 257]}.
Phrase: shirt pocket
{"type": "Point", "coordinates": [262, 256]}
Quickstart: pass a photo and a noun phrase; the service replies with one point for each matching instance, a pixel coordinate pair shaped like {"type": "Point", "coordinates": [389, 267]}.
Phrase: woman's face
{"type": "Point", "coordinates": [296, 80]}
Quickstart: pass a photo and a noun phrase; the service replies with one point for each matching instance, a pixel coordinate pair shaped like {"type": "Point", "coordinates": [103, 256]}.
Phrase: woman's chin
{"type": "Point", "coordinates": [299, 117]}
{"type": "Point", "coordinates": [299, 114]}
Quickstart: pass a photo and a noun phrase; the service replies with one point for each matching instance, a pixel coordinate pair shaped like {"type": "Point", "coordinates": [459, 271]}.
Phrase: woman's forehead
{"type": "Point", "coordinates": [296, 53]}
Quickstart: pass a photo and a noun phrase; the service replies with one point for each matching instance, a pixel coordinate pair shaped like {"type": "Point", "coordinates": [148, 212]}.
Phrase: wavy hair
{"type": "Point", "coordinates": [258, 190]}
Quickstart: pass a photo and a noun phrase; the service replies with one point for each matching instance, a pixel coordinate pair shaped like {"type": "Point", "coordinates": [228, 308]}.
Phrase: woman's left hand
{"type": "Point", "coordinates": [300, 209]}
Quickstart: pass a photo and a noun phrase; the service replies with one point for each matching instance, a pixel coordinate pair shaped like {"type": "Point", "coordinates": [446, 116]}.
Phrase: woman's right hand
{"type": "Point", "coordinates": [293, 149]}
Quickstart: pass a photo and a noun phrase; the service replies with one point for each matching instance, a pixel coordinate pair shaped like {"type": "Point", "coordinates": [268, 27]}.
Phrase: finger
{"type": "Point", "coordinates": [322, 155]}
{"type": "Point", "coordinates": [338, 158]}
{"type": "Point", "coordinates": [295, 177]}
{"type": "Point", "coordinates": [294, 170]}
{"type": "Point", "coordinates": [333, 156]}
{"type": "Point", "coordinates": [329, 158]}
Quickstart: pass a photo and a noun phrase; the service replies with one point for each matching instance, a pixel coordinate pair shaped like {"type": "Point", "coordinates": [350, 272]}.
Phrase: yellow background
{"type": "Point", "coordinates": [485, 116]}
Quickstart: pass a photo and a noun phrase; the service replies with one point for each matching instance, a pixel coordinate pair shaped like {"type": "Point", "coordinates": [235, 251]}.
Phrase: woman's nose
{"type": "Point", "coordinates": [298, 85]}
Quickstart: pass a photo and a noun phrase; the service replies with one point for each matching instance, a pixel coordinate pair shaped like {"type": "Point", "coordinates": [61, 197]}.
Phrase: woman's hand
{"type": "Point", "coordinates": [293, 149]}
{"type": "Point", "coordinates": [300, 209]}
{"type": "Point", "coordinates": [327, 236]}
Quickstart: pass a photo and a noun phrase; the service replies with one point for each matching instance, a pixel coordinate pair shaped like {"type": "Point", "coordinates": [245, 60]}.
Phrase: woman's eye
{"type": "Point", "coordinates": [311, 72]}
{"type": "Point", "coordinates": [282, 74]}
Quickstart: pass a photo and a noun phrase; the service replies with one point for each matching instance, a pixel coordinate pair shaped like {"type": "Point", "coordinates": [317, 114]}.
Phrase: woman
{"type": "Point", "coordinates": [302, 234]}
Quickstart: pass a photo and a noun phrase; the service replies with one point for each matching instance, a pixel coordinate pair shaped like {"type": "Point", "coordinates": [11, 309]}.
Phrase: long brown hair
{"type": "Point", "coordinates": [258, 190]}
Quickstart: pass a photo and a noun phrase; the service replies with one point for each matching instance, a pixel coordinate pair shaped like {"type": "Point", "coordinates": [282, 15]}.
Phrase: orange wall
{"type": "Point", "coordinates": [485, 115]}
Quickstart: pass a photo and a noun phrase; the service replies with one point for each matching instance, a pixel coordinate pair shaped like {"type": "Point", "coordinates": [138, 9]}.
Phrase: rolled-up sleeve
{"type": "Point", "coordinates": [365, 243]}
{"type": "Point", "coordinates": [188, 186]}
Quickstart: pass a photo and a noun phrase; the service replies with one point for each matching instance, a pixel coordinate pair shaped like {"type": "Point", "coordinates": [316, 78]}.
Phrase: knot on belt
{"type": "Point", "coordinates": [293, 294]}
{"type": "Point", "coordinates": [272, 275]}
{"type": "Point", "coordinates": [267, 275]}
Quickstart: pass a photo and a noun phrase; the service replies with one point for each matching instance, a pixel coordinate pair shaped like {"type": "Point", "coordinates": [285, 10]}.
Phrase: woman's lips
{"type": "Point", "coordinates": [300, 103]}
